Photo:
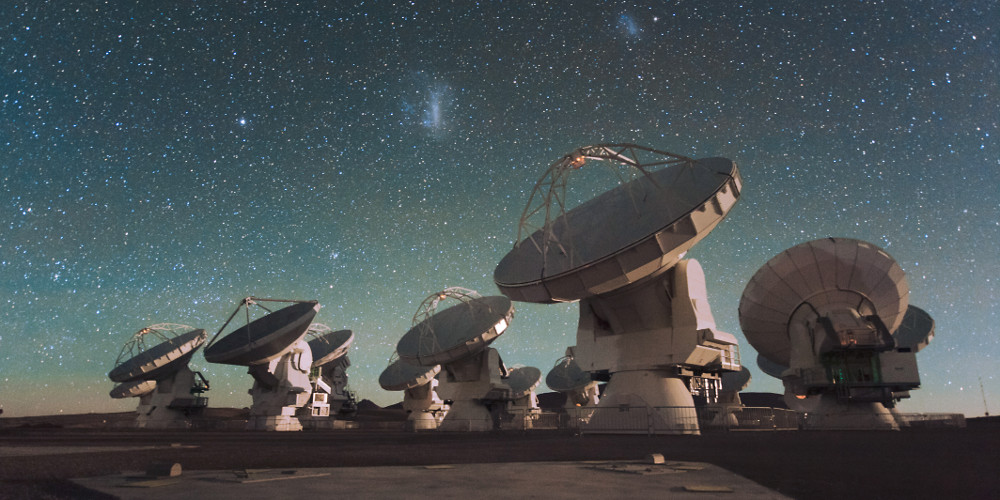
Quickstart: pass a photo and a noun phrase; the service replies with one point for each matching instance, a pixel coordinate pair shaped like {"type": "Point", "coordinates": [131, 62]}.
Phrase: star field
{"type": "Point", "coordinates": [159, 163]}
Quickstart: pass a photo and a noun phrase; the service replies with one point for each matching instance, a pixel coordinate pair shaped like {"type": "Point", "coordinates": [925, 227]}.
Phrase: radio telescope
{"type": "Point", "coordinates": [134, 389]}
{"type": "Point", "coordinates": [915, 331]}
{"type": "Point", "coordinates": [728, 402]}
{"type": "Point", "coordinates": [770, 367]}
{"type": "Point", "coordinates": [581, 391]}
{"type": "Point", "coordinates": [831, 313]}
{"type": "Point", "coordinates": [329, 369]}
{"type": "Point", "coordinates": [278, 357]}
{"type": "Point", "coordinates": [424, 409]}
{"type": "Point", "coordinates": [153, 366]}
{"type": "Point", "coordinates": [458, 339]}
{"type": "Point", "coordinates": [645, 323]}
{"type": "Point", "coordinates": [522, 405]}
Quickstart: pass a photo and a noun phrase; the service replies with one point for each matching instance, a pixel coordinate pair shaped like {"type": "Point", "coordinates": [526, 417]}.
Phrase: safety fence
{"type": "Point", "coordinates": [884, 420]}
{"type": "Point", "coordinates": [758, 419]}
{"type": "Point", "coordinates": [625, 419]}
{"type": "Point", "coordinates": [686, 420]}
{"type": "Point", "coordinates": [933, 419]}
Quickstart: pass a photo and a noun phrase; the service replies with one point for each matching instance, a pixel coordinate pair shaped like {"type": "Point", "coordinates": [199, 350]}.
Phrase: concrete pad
{"type": "Point", "coordinates": [604, 479]}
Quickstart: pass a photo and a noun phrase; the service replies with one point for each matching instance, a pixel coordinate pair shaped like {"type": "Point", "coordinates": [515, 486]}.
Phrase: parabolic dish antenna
{"type": "Point", "coordinates": [458, 339]}
{"type": "Point", "coordinates": [328, 346]}
{"type": "Point", "coordinates": [457, 332]}
{"type": "Point", "coordinates": [564, 255]}
{"type": "Point", "coordinates": [133, 389]}
{"type": "Point", "coordinates": [425, 410]}
{"type": "Point", "coordinates": [736, 381]}
{"type": "Point", "coordinates": [400, 376]}
{"type": "Point", "coordinates": [153, 366]}
{"type": "Point", "coordinates": [916, 329]}
{"type": "Point", "coordinates": [156, 352]}
{"type": "Point", "coordinates": [522, 380]}
{"type": "Point", "coordinates": [265, 338]}
{"type": "Point", "coordinates": [770, 367]}
{"type": "Point", "coordinates": [815, 275]}
{"type": "Point", "coordinates": [566, 376]}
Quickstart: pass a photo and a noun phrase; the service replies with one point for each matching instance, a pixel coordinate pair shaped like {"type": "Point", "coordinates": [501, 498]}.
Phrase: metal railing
{"type": "Point", "coordinates": [694, 420]}
{"type": "Point", "coordinates": [932, 420]}
{"type": "Point", "coordinates": [755, 419]}
{"type": "Point", "coordinates": [642, 420]}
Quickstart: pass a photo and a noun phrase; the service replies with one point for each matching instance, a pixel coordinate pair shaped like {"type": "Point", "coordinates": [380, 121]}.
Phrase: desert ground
{"type": "Point", "coordinates": [912, 463]}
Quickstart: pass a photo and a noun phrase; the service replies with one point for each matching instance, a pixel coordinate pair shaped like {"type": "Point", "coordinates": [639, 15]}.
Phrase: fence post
{"type": "Point", "coordinates": [649, 420]}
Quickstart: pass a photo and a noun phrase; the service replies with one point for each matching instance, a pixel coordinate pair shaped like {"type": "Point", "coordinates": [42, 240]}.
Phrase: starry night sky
{"type": "Point", "coordinates": [158, 164]}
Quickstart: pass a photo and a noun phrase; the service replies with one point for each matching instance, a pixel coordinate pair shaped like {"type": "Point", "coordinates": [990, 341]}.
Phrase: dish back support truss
{"type": "Point", "coordinates": [428, 307]}
{"type": "Point", "coordinates": [548, 200]}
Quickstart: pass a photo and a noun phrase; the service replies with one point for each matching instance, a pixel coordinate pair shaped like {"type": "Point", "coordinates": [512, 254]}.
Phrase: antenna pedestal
{"type": "Point", "coordinates": [580, 405]}
{"type": "Point", "coordinates": [827, 412]}
{"type": "Point", "coordinates": [831, 318]}
{"type": "Point", "coordinates": [331, 379]}
{"type": "Point", "coordinates": [522, 412]}
{"type": "Point", "coordinates": [725, 409]}
{"type": "Point", "coordinates": [171, 403]}
{"type": "Point", "coordinates": [331, 397]}
{"type": "Point", "coordinates": [425, 410]}
{"type": "Point", "coordinates": [651, 338]}
{"type": "Point", "coordinates": [477, 392]}
{"type": "Point", "coordinates": [664, 401]}
{"type": "Point", "coordinates": [280, 388]}
{"type": "Point", "coordinates": [847, 367]}
{"type": "Point", "coordinates": [522, 404]}
{"type": "Point", "coordinates": [580, 390]}
{"type": "Point", "coordinates": [583, 397]}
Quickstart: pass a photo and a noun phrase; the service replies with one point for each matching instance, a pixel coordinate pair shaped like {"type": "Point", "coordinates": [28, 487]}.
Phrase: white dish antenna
{"type": "Point", "coordinates": [266, 338]}
{"type": "Point", "coordinates": [582, 394]}
{"type": "Point", "coordinates": [133, 389]}
{"type": "Point", "coordinates": [273, 346]}
{"type": "Point", "coordinates": [153, 366]}
{"type": "Point", "coordinates": [156, 352]}
{"type": "Point", "coordinates": [566, 376]}
{"type": "Point", "coordinates": [916, 330]}
{"type": "Point", "coordinates": [820, 275]}
{"type": "Point", "coordinates": [645, 325]}
{"type": "Point", "coordinates": [523, 380]}
{"type": "Point", "coordinates": [331, 396]}
{"type": "Point", "coordinates": [831, 318]}
{"type": "Point", "coordinates": [736, 381]}
{"type": "Point", "coordinates": [770, 367]}
{"type": "Point", "coordinates": [457, 338]}
{"type": "Point", "coordinates": [457, 332]}
{"type": "Point", "coordinates": [327, 345]}
{"type": "Point", "coordinates": [425, 410]}
{"type": "Point", "coordinates": [400, 376]}
{"type": "Point", "coordinates": [564, 255]}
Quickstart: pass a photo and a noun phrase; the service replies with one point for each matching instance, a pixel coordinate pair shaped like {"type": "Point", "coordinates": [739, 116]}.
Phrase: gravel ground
{"type": "Point", "coordinates": [917, 463]}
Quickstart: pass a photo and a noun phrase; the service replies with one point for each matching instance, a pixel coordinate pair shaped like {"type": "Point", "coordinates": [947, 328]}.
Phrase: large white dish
{"type": "Point", "coordinates": [265, 338]}
{"type": "Point", "coordinates": [820, 274]}
{"type": "Point", "coordinates": [522, 380]}
{"type": "Point", "coordinates": [331, 346]}
{"type": "Point", "coordinates": [457, 332]}
{"type": "Point", "coordinates": [623, 235]}
{"type": "Point", "coordinates": [566, 376]}
{"type": "Point", "coordinates": [400, 376]}
{"type": "Point", "coordinates": [161, 360]}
